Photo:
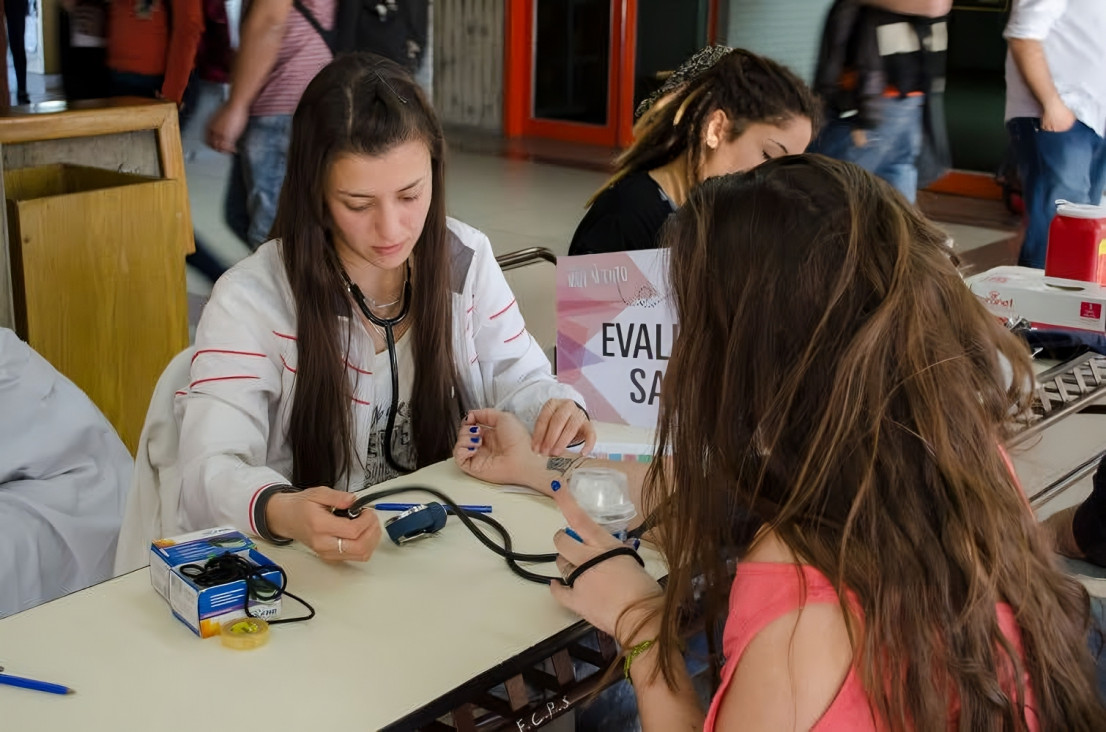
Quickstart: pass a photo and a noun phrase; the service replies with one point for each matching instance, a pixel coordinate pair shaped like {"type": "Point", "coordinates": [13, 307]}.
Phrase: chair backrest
{"type": "Point", "coordinates": [532, 275]}
{"type": "Point", "coordinates": [152, 505]}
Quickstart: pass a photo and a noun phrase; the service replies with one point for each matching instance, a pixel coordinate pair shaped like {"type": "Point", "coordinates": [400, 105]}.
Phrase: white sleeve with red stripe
{"type": "Point", "coordinates": [516, 374]}
{"type": "Point", "coordinates": [229, 406]}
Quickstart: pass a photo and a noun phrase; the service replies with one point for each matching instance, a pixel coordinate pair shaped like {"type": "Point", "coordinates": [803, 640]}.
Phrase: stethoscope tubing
{"type": "Point", "coordinates": [388, 326]}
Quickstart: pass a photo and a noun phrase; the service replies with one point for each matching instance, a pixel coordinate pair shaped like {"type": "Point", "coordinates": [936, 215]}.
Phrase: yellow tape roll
{"type": "Point", "coordinates": [245, 633]}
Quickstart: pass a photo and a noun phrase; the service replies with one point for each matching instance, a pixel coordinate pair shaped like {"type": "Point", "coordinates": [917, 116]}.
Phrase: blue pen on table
{"type": "Point", "coordinates": [408, 506]}
{"type": "Point", "coordinates": [22, 683]}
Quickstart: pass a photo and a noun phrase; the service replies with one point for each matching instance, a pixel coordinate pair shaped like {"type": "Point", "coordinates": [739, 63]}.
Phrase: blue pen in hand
{"type": "Point", "coordinates": [22, 683]}
{"type": "Point", "coordinates": [482, 508]}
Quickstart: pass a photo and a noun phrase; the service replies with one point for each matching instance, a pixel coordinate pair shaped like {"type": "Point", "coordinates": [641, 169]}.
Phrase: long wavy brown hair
{"type": "Point", "coordinates": [747, 87]}
{"type": "Point", "coordinates": [855, 403]}
{"type": "Point", "coordinates": [364, 105]}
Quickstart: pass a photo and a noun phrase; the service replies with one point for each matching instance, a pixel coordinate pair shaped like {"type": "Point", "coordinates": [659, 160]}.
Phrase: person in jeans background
{"type": "Point", "coordinates": [279, 52]}
{"type": "Point", "coordinates": [879, 63]}
{"type": "Point", "coordinates": [1056, 109]}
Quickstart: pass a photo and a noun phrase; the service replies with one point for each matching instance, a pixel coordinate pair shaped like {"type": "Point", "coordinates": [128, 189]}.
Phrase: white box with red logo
{"type": "Point", "coordinates": [1021, 292]}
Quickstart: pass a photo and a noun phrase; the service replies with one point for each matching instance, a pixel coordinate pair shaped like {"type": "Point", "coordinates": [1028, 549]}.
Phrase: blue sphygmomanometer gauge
{"type": "Point", "coordinates": [416, 522]}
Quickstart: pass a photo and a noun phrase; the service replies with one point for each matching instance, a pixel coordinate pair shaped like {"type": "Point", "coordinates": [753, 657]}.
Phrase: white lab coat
{"type": "Point", "coordinates": [236, 409]}
{"type": "Point", "coordinates": [64, 476]}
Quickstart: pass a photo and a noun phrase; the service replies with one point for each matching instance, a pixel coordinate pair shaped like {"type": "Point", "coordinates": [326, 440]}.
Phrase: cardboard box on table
{"type": "Point", "coordinates": [1021, 292]}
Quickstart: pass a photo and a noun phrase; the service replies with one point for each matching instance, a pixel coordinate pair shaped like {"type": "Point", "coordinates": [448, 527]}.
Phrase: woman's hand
{"type": "Point", "coordinates": [226, 127]}
{"type": "Point", "coordinates": [603, 594]}
{"type": "Point", "coordinates": [307, 516]}
{"type": "Point", "coordinates": [562, 422]}
{"type": "Point", "coordinates": [495, 446]}
{"type": "Point", "coordinates": [1057, 117]}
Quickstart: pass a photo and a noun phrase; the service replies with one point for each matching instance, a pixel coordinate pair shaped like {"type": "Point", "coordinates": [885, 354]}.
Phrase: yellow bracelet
{"type": "Point", "coordinates": [632, 654]}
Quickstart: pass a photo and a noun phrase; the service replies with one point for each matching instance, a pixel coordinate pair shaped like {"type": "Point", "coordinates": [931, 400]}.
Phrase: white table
{"type": "Point", "coordinates": [391, 635]}
{"type": "Point", "coordinates": [410, 626]}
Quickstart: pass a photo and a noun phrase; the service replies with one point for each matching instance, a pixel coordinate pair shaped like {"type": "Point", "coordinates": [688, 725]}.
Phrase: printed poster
{"type": "Point", "coordinates": [615, 328]}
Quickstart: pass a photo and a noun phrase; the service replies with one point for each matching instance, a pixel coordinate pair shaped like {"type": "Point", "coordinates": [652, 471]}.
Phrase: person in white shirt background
{"type": "Point", "coordinates": [291, 404]}
{"type": "Point", "coordinates": [1056, 109]}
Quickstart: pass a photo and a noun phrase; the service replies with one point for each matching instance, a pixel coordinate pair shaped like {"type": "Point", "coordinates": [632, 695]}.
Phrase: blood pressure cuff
{"type": "Point", "coordinates": [1062, 345]}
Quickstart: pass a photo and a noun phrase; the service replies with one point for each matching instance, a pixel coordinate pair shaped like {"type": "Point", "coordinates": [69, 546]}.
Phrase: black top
{"type": "Point", "coordinates": [628, 215]}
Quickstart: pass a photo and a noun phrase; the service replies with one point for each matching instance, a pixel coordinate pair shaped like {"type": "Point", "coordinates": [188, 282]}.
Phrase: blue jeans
{"type": "Point", "coordinates": [893, 146]}
{"type": "Point", "coordinates": [256, 177]}
{"type": "Point", "coordinates": [1052, 166]}
{"type": "Point", "coordinates": [128, 84]}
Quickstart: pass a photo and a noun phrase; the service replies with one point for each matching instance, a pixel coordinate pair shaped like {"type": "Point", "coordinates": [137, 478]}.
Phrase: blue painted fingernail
{"type": "Point", "coordinates": [637, 544]}
{"type": "Point", "coordinates": [573, 534]}
{"type": "Point", "coordinates": [555, 485]}
{"type": "Point", "coordinates": [474, 430]}
{"type": "Point", "coordinates": [471, 449]}
{"type": "Point", "coordinates": [475, 439]}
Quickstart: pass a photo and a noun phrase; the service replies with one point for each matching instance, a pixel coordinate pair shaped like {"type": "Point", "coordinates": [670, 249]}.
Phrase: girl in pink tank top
{"type": "Point", "coordinates": [838, 389]}
{"type": "Point", "coordinates": [763, 592]}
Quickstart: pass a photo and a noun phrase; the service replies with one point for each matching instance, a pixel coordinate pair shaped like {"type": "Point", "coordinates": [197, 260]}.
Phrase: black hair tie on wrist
{"type": "Point", "coordinates": [616, 552]}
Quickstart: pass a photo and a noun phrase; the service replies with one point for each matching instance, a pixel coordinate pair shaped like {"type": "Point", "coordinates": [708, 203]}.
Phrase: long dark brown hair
{"type": "Point", "coordinates": [856, 405]}
{"type": "Point", "coordinates": [747, 87]}
{"type": "Point", "coordinates": [364, 105]}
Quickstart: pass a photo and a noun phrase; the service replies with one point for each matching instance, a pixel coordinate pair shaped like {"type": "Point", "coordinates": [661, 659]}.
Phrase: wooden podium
{"type": "Point", "coordinates": [97, 226]}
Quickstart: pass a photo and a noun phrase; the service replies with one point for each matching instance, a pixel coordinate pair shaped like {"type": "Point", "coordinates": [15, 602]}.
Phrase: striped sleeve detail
{"type": "Point", "coordinates": [509, 306]}
{"type": "Point", "coordinates": [360, 371]}
{"type": "Point", "coordinates": [221, 378]}
{"type": "Point", "coordinates": [516, 336]}
{"type": "Point", "coordinates": [199, 353]}
{"type": "Point", "coordinates": [253, 503]}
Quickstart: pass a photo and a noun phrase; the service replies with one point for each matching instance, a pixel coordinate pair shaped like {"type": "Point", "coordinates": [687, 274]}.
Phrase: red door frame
{"type": "Point", "coordinates": [518, 77]}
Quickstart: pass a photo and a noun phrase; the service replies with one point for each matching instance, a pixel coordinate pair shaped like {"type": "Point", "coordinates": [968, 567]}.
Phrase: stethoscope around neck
{"type": "Point", "coordinates": [388, 326]}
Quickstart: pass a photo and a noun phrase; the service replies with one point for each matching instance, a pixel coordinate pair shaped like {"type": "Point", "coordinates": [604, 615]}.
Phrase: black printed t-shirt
{"type": "Point", "coordinates": [628, 215]}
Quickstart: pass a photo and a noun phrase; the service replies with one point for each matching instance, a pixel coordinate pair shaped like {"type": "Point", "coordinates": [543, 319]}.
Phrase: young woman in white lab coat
{"type": "Point", "coordinates": [348, 349]}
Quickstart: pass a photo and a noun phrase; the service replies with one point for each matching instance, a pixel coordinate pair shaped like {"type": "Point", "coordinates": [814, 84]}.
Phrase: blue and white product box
{"type": "Point", "coordinates": [205, 609]}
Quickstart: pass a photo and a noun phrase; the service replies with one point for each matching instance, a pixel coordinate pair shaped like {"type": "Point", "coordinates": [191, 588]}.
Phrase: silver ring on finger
{"type": "Point", "coordinates": [340, 551]}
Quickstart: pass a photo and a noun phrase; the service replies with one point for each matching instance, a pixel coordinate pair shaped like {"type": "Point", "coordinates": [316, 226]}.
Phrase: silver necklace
{"type": "Point", "coordinates": [378, 305]}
